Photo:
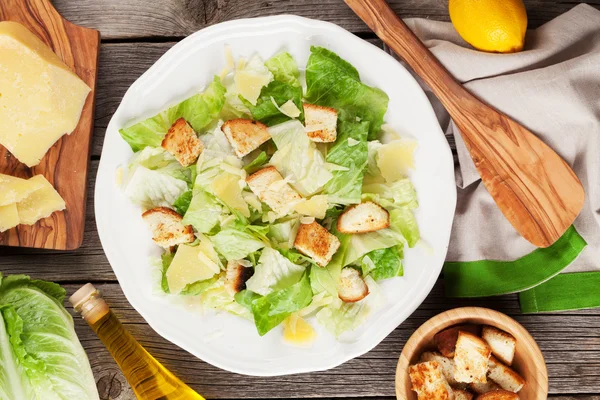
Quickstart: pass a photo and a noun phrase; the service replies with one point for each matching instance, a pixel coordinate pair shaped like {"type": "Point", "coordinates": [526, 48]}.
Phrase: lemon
{"type": "Point", "coordinates": [490, 25]}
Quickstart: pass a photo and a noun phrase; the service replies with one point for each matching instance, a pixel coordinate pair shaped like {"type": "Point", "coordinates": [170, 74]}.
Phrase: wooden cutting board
{"type": "Point", "coordinates": [66, 163]}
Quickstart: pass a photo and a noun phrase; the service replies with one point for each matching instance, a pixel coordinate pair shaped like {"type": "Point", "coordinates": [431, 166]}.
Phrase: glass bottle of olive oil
{"type": "Point", "coordinates": [148, 378]}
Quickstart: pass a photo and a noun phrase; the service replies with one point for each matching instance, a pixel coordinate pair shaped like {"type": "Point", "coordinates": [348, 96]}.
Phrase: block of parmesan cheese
{"type": "Point", "coordinates": [13, 189]}
{"type": "Point", "coordinates": [41, 98]}
{"type": "Point", "coordinates": [41, 203]}
{"type": "Point", "coordinates": [9, 217]}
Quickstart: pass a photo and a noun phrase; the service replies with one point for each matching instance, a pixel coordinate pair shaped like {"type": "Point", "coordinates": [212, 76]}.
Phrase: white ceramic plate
{"type": "Point", "coordinates": [224, 340]}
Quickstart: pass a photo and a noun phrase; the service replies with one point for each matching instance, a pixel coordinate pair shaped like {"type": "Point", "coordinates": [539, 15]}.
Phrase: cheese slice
{"type": "Point", "coordinates": [9, 217]}
{"type": "Point", "coordinates": [396, 158]}
{"type": "Point", "coordinates": [316, 206]}
{"type": "Point", "coordinates": [13, 189]}
{"type": "Point", "coordinates": [188, 267]}
{"type": "Point", "coordinates": [250, 78]}
{"type": "Point", "coordinates": [41, 203]}
{"type": "Point", "coordinates": [227, 188]}
{"type": "Point", "coordinates": [41, 99]}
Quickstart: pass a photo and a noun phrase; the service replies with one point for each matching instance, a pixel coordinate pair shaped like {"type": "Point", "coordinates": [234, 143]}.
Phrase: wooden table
{"type": "Point", "coordinates": [137, 32]}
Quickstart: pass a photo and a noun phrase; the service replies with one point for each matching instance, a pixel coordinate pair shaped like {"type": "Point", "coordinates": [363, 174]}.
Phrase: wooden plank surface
{"type": "Point", "coordinates": [136, 35]}
{"type": "Point", "coordinates": [65, 165]}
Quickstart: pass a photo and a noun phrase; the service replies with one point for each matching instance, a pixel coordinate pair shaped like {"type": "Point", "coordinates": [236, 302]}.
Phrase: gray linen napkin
{"type": "Point", "coordinates": [553, 88]}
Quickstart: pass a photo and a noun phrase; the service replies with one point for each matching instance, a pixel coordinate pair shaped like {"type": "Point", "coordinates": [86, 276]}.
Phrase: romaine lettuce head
{"type": "Point", "coordinates": [151, 188]}
{"type": "Point", "coordinates": [274, 272]}
{"type": "Point", "coordinates": [198, 110]}
{"type": "Point", "coordinates": [40, 355]}
{"type": "Point", "coordinates": [333, 82]}
{"type": "Point", "coordinates": [349, 316]}
{"type": "Point", "coordinates": [351, 152]}
{"type": "Point", "coordinates": [298, 159]}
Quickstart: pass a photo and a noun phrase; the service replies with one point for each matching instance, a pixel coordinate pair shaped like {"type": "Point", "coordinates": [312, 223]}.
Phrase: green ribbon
{"type": "Point", "coordinates": [564, 292]}
{"type": "Point", "coordinates": [491, 278]}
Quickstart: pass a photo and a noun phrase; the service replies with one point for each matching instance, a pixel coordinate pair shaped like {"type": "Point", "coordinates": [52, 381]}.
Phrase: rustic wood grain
{"type": "Point", "coordinates": [536, 190]}
{"type": "Point", "coordinates": [66, 163]}
{"type": "Point", "coordinates": [133, 19]}
{"type": "Point", "coordinates": [573, 362]}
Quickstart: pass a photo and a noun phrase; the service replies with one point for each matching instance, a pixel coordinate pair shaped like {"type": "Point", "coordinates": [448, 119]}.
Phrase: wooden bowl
{"type": "Point", "coordinates": [529, 361]}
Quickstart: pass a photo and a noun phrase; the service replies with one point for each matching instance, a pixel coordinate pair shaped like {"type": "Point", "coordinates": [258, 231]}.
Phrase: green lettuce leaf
{"type": "Point", "coordinates": [198, 110]}
{"type": "Point", "coordinates": [266, 111]}
{"type": "Point", "coordinates": [203, 212]}
{"type": "Point", "coordinates": [245, 298]}
{"type": "Point", "coordinates": [257, 163]}
{"type": "Point", "coordinates": [351, 152]}
{"type": "Point", "coordinates": [400, 193]}
{"type": "Point", "coordinates": [362, 244]}
{"type": "Point", "coordinates": [182, 204]}
{"type": "Point", "coordinates": [383, 263]}
{"type": "Point", "coordinates": [39, 333]}
{"type": "Point", "coordinates": [270, 310]}
{"type": "Point", "coordinates": [194, 289]}
{"type": "Point", "coordinates": [403, 220]}
{"type": "Point", "coordinates": [333, 82]}
{"type": "Point", "coordinates": [166, 260]}
{"type": "Point", "coordinates": [339, 319]}
{"type": "Point", "coordinates": [298, 158]}
{"type": "Point", "coordinates": [235, 244]}
{"type": "Point", "coordinates": [273, 272]}
{"type": "Point", "coordinates": [149, 188]}
{"type": "Point", "coordinates": [284, 68]}
{"type": "Point", "coordinates": [217, 297]}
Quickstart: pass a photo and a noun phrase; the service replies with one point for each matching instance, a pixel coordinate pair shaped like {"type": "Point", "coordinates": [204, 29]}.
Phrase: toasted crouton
{"type": "Point", "coordinates": [316, 242]}
{"type": "Point", "coordinates": [166, 226]}
{"type": "Point", "coordinates": [428, 381]}
{"type": "Point", "coordinates": [352, 287]}
{"type": "Point", "coordinates": [183, 143]}
{"type": "Point", "coordinates": [236, 276]}
{"type": "Point", "coordinates": [267, 183]}
{"type": "Point", "coordinates": [446, 363]}
{"type": "Point", "coordinates": [321, 123]}
{"type": "Point", "coordinates": [481, 388]}
{"type": "Point", "coordinates": [503, 344]}
{"type": "Point", "coordinates": [462, 395]}
{"type": "Point", "coordinates": [471, 358]}
{"type": "Point", "coordinates": [445, 340]}
{"type": "Point", "coordinates": [362, 218]}
{"type": "Point", "coordinates": [245, 135]}
{"type": "Point", "coordinates": [498, 395]}
{"type": "Point", "coordinates": [505, 376]}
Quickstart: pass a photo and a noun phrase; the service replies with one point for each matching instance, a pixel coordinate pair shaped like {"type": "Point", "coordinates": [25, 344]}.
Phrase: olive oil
{"type": "Point", "coordinates": [149, 379]}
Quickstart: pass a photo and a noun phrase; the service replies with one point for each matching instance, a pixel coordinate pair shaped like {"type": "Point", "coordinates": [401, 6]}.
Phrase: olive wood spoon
{"type": "Point", "coordinates": [533, 186]}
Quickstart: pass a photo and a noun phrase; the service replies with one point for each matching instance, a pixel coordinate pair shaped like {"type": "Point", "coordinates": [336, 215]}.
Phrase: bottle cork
{"type": "Point", "coordinates": [89, 303]}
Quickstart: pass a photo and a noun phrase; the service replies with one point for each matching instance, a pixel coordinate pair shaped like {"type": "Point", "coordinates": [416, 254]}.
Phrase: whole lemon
{"type": "Point", "coordinates": [490, 25]}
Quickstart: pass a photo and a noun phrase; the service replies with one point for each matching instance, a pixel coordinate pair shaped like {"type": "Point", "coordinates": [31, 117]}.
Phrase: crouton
{"type": "Point", "coordinates": [503, 344]}
{"type": "Point", "coordinates": [166, 226]}
{"type": "Point", "coordinates": [428, 381]}
{"type": "Point", "coordinates": [362, 218]}
{"type": "Point", "coordinates": [462, 395]}
{"type": "Point", "coordinates": [352, 287]}
{"type": "Point", "coordinates": [505, 376]}
{"type": "Point", "coordinates": [320, 123]}
{"type": "Point", "coordinates": [445, 340]}
{"type": "Point", "coordinates": [183, 143]}
{"type": "Point", "coordinates": [447, 365]}
{"type": "Point", "coordinates": [481, 388]}
{"type": "Point", "coordinates": [267, 183]}
{"type": "Point", "coordinates": [236, 276]}
{"type": "Point", "coordinates": [316, 242]}
{"type": "Point", "coordinates": [245, 135]}
{"type": "Point", "coordinates": [498, 395]}
{"type": "Point", "coordinates": [471, 358]}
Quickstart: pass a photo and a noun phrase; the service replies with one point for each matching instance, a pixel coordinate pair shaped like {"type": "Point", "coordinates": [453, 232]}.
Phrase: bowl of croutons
{"type": "Point", "coordinates": [471, 353]}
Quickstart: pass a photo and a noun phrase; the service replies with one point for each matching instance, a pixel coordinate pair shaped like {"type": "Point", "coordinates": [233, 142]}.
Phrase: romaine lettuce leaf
{"type": "Point", "coordinates": [403, 220]}
{"type": "Point", "coordinates": [284, 68]}
{"type": "Point", "coordinates": [273, 272]}
{"type": "Point", "coordinates": [182, 204]}
{"type": "Point", "coordinates": [203, 212]}
{"type": "Point", "coordinates": [272, 97]}
{"type": "Point", "coordinates": [359, 245]}
{"type": "Point", "coordinates": [351, 152]}
{"type": "Point", "coordinates": [149, 189]}
{"type": "Point", "coordinates": [333, 82]}
{"type": "Point", "coordinates": [257, 163]}
{"type": "Point", "coordinates": [198, 110]}
{"type": "Point", "coordinates": [400, 193]}
{"type": "Point", "coordinates": [250, 77]}
{"type": "Point", "coordinates": [298, 159]}
{"type": "Point", "coordinates": [349, 316]}
{"type": "Point", "coordinates": [43, 342]}
{"type": "Point", "coordinates": [236, 244]}
{"type": "Point", "coordinates": [218, 297]}
{"type": "Point", "coordinates": [384, 263]}
{"type": "Point", "coordinates": [157, 159]}
{"type": "Point", "coordinates": [270, 310]}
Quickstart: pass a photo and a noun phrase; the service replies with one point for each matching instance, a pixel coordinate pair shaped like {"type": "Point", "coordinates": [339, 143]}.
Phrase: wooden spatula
{"type": "Point", "coordinates": [533, 186]}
